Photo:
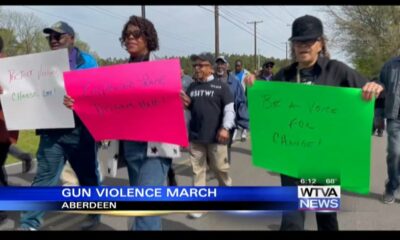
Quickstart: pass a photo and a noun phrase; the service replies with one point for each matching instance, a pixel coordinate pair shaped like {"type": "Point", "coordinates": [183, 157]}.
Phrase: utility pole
{"type": "Point", "coordinates": [255, 41]}
{"type": "Point", "coordinates": [143, 11]}
{"type": "Point", "coordinates": [286, 49]}
{"type": "Point", "coordinates": [216, 13]}
{"type": "Point", "coordinates": [287, 25]}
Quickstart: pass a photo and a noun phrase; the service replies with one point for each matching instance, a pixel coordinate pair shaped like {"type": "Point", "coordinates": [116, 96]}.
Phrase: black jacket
{"type": "Point", "coordinates": [326, 72]}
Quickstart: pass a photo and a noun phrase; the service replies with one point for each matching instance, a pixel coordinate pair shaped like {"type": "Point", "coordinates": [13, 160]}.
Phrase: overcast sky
{"type": "Point", "coordinates": [184, 30]}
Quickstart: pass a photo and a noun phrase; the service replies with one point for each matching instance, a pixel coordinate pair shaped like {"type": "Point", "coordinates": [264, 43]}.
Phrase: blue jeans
{"type": "Point", "coordinates": [79, 148]}
{"type": "Point", "coordinates": [393, 155]}
{"type": "Point", "coordinates": [145, 171]}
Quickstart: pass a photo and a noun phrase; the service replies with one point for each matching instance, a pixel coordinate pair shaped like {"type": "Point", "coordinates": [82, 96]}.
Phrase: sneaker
{"type": "Point", "coordinates": [244, 135]}
{"type": "Point", "coordinates": [195, 215]}
{"type": "Point", "coordinates": [234, 135]}
{"type": "Point", "coordinates": [380, 133]}
{"type": "Point", "coordinates": [388, 198]}
{"type": "Point", "coordinates": [25, 228]}
{"type": "Point", "coordinates": [91, 221]}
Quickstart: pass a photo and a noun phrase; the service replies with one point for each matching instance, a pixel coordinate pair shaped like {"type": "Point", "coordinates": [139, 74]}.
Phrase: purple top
{"type": "Point", "coordinates": [72, 58]}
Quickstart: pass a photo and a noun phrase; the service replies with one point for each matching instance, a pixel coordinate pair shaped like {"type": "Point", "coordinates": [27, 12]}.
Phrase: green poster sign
{"type": "Point", "coordinates": [312, 132]}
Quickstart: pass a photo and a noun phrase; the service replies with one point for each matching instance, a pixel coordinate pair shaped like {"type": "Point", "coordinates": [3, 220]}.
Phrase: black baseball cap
{"type": "Point", "coordinates": [221, 58]}
{"type": "Point", "coordinates": [205, 56]}
{"type": "Point", "coordinates": [60, 27]}
{"type": "Point", "coordinates": [306, 28]}
{"type": "Point", "coordinates": [268, 63]}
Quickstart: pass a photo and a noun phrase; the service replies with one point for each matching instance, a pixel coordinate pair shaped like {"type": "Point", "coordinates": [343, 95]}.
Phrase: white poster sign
{"type": "Point", "coordinates": [34, 90]}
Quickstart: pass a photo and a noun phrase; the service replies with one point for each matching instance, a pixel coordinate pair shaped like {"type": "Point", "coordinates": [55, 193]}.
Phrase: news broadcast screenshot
{"type": "Point", "coordinates": [199, 118]}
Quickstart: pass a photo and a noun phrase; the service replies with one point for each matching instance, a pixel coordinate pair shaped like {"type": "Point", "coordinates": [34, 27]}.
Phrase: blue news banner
{"type": "Point", "coordinates": [170, 198]}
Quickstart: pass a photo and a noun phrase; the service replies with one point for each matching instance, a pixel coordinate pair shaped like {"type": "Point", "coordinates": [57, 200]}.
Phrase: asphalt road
{"type": "Point", "coordinates": [359, 212]}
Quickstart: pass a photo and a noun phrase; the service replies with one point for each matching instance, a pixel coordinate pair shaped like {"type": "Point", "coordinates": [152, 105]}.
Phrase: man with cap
{"type": "Point", "coordinates": [75, 145]}
{"type": "Point", "coordinates": [239, 98]}
{"type": "Point", "coordinates": [211, 105]}
{"type": "Point", "coordinates": [312, 65]}
{"type": "Point", "coordinates": [266, 71]}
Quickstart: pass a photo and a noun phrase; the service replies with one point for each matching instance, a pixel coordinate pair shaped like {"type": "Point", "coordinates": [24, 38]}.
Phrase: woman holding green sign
{"type": "Point", "coordinates": [312, 65]}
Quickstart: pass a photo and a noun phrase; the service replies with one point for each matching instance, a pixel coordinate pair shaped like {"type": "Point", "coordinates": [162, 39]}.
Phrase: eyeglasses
{"type": "Point", "coordinates": [268, 66]}
{"type": "Point", "coordinates": [201, 65]}
{"type": "Point", "coordinates": [57, 36]}
{"type": "Point", "coordinates": [135, 34]}
{"type": "Point", "coordinates": [307, 42]}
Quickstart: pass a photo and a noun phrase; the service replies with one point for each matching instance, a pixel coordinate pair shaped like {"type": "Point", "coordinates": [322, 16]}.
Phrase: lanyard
{"type": "Point", "coordinates": [298, 74]}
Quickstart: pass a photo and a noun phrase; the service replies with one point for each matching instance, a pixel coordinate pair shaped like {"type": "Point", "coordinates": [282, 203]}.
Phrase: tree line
{"type": "Point", "coordinates": [22, 33]}
{"type": "Point", "coordinates": [247, 61]}
{"type": "Point", "coordinates": [367, 34]}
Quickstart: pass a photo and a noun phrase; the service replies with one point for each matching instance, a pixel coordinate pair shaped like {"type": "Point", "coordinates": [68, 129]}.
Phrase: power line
{"type": "Point", "coordinates": [255, 41]}
{"type": "Point", "coordinates": [242, 23]}
{"type": "Point", "coordinates": [249, 31]}
{"type": "Point", "coordinates": [101, 11]}
{"type": "Point", "coordinates": [113, 13]}
{"type": "Point", "coordinates": [87, 25]}
{"type": "Point", "coordinates": [206, 9]}
{"type": "Point", "coordinates": [166, 33]}
{"type": "Point", "coordinates": [71, 20]}
{"type": "Point", "coordinates": [235, 14]}
{"type": "Point", "coordinates": [244, 29]}
{"type": "Point", "coordinates": [266, 10]}
{"type": "Point", "coordinates": [267, 20]}
{"type": "Point", "coordinates": [288, 12]}
{"type": "Point", "coordinates": [181, 37]}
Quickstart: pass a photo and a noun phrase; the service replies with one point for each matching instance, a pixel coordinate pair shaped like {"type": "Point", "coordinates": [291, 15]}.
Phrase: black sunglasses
{"type": "Point", "coordinates": [135, 34]}
{"type": "Point", "coordinates": [57, 36]}
{"type": "Point", "coordinates": [306, 42]}
{"type": "Point", "coordinates": [201, 65]}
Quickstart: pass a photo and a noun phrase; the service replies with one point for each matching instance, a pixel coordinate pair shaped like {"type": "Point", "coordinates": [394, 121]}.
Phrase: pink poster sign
{"type": "Point", "coordinates": [135, 101]}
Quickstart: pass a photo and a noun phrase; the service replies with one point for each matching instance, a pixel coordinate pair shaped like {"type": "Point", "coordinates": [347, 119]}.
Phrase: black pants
{"type": "Point", "coordinates": [294, 221]}
{"type": "Point", "coordinates": [3, 157]}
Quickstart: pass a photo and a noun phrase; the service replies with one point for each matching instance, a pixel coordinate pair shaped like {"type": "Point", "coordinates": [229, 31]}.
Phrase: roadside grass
{"type": "Point", "coordinates": [27, 142]}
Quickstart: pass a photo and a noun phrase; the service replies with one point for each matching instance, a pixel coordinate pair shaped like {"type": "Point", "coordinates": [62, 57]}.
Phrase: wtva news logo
{"type": "Point", "coordinates": [319, 198]}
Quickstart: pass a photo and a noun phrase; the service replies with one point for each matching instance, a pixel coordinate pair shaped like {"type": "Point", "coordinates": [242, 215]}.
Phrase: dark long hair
{"type": "Point", "coordinates": [324, 51]}
{"type": "Point", "coordinates": [147, 29]}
